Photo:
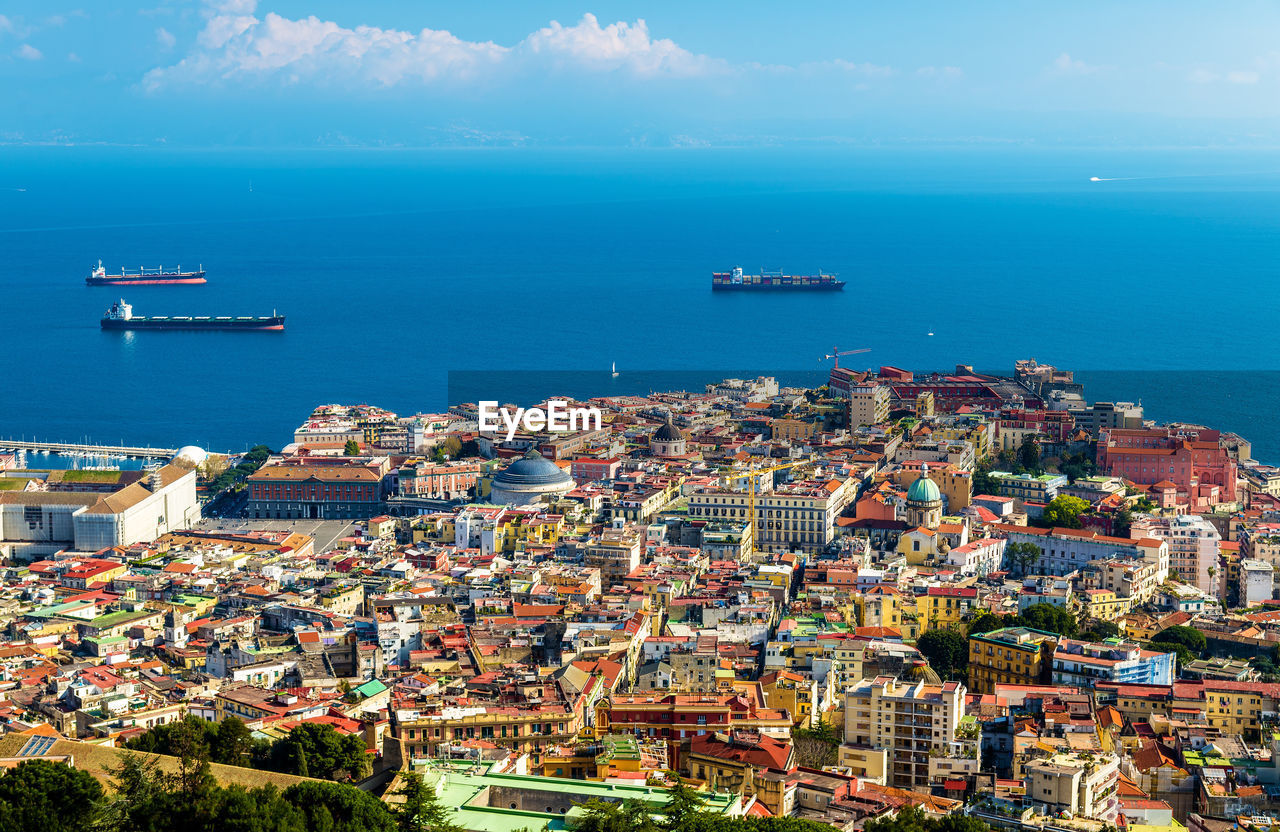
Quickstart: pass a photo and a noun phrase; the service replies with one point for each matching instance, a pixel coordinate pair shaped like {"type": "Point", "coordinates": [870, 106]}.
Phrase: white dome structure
{"type": "Point", "coordinates": [191, 454]}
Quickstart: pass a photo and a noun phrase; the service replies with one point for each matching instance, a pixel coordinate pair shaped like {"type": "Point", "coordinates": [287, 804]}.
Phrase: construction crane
{"type": "Point", "coordinates": [750, 476]}
{"type": "Point", "coordinates": [836, 353]}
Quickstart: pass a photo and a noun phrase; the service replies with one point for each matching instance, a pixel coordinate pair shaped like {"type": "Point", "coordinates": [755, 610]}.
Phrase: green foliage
{"type": "Point", "coordinates": [149, 800]}
{"type": "Point", "coordinates": [817, 746]}
{"type": "Point", "coordinates": [946, 650]}
{"type": "Point", "coordinates": [1029, 455]}
{"type": "Point", "coordinates": [250, 462]}
{"type": "Point", "coordinates": [1050, 618]}
{"type": "Point", "coordinates": [315, 750]}
{"type": "Point", "coordinates": [1023, 555]}
{"type": "Point", "coordinates": [985, 622]}
{"type": "Point", "coordinates": [627, 816]}
{"type": "Point", "coordinates": [49, 797]}
{"type": "Point", "coordinates": [1122, 522]}
{"type": "Point", "coordinates": [1185, 656]}
{"type": "Point", "coordinates": [422, 810]}
{"type": "Point", "coordinates": [683, 805]}
{"type": "Point", "coordinates": [1078, 466]}
{"type": "Point", "coordinates": [1100, 630]}
{"type": "Point", "coordinates": [912, 819]}
{"type": "Point", "coordinates": [1064, 511]}
{"type": "Point", "coordinates": [309, 750]}
{"type": "Point", "coordinates": [338, 808]}
{"type": "Point", "coordinates": [1188, 637]}
{"type": "Point", "coordinates": [351, 448]}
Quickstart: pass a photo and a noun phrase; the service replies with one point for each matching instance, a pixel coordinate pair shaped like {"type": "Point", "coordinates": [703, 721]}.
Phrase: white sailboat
{"type": "Point", "coordinates": [614, 369]}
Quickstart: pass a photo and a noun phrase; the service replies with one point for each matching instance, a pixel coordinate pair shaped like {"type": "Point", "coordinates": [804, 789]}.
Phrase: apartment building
{"type": "Point", "coordinates": [910, 721]}
{"type": "Point", "coordinates": [1010, 656]}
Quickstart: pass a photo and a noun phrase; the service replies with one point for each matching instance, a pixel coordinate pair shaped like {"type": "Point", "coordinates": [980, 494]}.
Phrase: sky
{"type": "Point", "coordinates": [662, 73]}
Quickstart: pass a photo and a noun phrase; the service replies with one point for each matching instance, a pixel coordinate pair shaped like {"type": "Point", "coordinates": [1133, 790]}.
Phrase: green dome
{"type": "Point", "coordinates": [924, 490]}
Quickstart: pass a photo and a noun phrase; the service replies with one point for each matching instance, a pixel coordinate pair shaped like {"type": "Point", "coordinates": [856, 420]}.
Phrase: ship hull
{"type": "Point", "coordinates": [267, 324]}
{"type": "Point", "coordinates": [160, 279]}
{"type": "Point", "coordinates": [834, 286]}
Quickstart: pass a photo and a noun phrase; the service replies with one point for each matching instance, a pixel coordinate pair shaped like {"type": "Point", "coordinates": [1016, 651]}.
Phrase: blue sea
{"type": "Point", "coordinates": [395, 268]}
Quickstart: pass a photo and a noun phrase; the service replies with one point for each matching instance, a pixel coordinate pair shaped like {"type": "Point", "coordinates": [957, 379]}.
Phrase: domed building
{"type": "Point", "coordinates": [667, 441]}
{"type": "Point", "coordinates": [924, 502]}
{"type": "Point", "coordinates": [192, 455]}
{"type": "Point", "coordinates": [528, 480]}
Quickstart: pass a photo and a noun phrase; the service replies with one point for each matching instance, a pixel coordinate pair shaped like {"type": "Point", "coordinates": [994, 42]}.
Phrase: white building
{"type": "Point", "coordinates": [1255, 582]}
{"type": "Point", "coordinates": [1193, 547]}
{"type": "Point", "coordinates": [34, 523]}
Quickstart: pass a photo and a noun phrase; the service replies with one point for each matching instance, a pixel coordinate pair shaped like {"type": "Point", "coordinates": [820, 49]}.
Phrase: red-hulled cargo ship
{"type": "Point", "coordinates": [143, 277]}
{"type": "Point", "coordinates": [765, 281]}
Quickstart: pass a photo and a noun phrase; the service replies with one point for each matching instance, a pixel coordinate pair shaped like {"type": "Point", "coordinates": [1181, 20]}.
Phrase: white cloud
{"type": "Point", "coordinates": [865, 69]}
{"type": "Point", "coordinates": [1245, 76]}
{"type": "Point", "coordinates": [1064, 64]}
{"type": "Point", "coordinates": [237, 45]}
{"type": "Point", "coordinates": [27, 52]}
{"type": "Point", "coordinates": [165, 38]}
{"type": "Point", "coordinates": [621, 45]}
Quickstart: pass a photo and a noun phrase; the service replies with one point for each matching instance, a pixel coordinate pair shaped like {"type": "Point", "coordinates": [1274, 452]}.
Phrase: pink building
{"type": "Point", "coordinates": [1193, 460]}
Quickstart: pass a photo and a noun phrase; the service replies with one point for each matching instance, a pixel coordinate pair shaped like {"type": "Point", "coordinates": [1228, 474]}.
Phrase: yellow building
{"type": "Point", "coordinates": [945, 607]}
{"type": "Point", "coordinates": [1011, 656]}
{"type": "Point", "coordinates": [955, 484]}
{"type": "Point", "coordinates": [1103, 604]}
{"type": "Point", "coordinates": [880, 606]}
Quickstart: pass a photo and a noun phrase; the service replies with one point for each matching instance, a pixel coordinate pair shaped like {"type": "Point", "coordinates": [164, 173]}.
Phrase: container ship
{"type": "Point", "coordinates": [765, 281]}
{"type": "Point", "coordinates": [144, 277]}
{"type": "Point", "coordinates": [120, 316]}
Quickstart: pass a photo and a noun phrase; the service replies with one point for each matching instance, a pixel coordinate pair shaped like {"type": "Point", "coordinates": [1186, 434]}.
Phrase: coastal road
{"type": "Point", "coordinates": [325, 532]}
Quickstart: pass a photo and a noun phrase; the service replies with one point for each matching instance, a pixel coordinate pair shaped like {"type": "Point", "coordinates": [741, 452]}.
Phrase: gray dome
{"type": "Point", "coordinates": [532, 469]}
{"type": "Point", "coordinates": [668, 433]}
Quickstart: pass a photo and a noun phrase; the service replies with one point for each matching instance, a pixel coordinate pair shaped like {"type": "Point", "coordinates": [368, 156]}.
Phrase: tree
{"type": "Point", "coordinates": [422, 810]}
{"type": "Point", "coordinates": [1122, 522]}
{"type": "Point", "coordinates": [352, 448]}
{"type": "Point", "coordinates": [333, 807]}
{"type": "Point", "coordinates": [1188, 637]}
{"type": "Point", "coordinates": [1100, 631]}
{"type": "Point", "coordinates": [1185, 656]}
{"type": "Point", "coordinates": [946, 650]}
{"type": "Point", "coordinates": [1023, 555]}
{"type": "Point", "coordinates": [1049, 618]}
{"type": "Point", "coordinates": [817, 746]}
{"type": "Point", "coordinates": [984, 622]}
{"type": "Point", "coordinates": [628, 816]}
{"type": "Point", "coordinates": [1029, 454]}
{"type": "Point", "coordinates": [48, 796]}
{"type": "Point", "coordinates": [232, 743]}
{"type": "Point", "coordinates": [1065, 511]}
{"type": "Point", "coordinates": [314, 750]}
{"type": "Point", "coordinates": [683, 804]}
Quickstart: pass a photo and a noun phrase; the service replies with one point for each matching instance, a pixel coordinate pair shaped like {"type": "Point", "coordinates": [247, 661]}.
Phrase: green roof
{"type": "Point", "coordinates": [466, 786]}
{"type": "Point", "coordinates": [371, 688]}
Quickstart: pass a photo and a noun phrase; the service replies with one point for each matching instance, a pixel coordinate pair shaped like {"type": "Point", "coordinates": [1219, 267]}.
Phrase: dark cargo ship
{"type": "Point", "coordinates": [765, 281]}
{"type": "Point", "coordinates": [143, 277]}
{"type": "Point", "coordinates": [120, 316]}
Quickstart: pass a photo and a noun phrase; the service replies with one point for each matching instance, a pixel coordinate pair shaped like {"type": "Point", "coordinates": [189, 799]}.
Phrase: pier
{"type": "Point", "coordinates": [131, 451]}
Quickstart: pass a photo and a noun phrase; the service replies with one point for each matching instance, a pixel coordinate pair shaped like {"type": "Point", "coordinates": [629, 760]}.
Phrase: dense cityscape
{"type": "Point", "coordinates": [945, 601]}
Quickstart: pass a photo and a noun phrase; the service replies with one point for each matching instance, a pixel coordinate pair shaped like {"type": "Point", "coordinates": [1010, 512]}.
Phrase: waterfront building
{"type": "Point", "coordinates": [319, 488]}
{"type": "Point", "coordinates": [94, 510]}
{"type": "Point", "coordinates": [1192, 460]}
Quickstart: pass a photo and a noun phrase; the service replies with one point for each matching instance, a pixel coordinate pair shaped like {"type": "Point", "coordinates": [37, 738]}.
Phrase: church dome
{"type": "Point", "coordinates": [532, 469]}
{"type": "Point", "coordinates": [668, 433]}
{"type": "Point", "coordinates": [924, 490]}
